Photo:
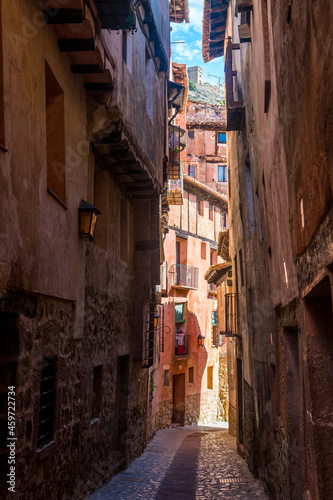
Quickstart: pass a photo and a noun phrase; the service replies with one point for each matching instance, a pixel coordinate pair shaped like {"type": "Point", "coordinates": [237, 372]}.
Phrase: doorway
{"type": "Point", "coordinates": [179, 398]}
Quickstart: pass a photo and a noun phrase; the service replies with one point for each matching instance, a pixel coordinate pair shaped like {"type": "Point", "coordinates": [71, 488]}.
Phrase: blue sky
{"type": "Point", "coordinates": [190, 52]}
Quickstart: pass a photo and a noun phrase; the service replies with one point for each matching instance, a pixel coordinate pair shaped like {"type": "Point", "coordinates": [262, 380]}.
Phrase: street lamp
{"type": "Point", "coordinates": [87, 220]}
{"type": "Point", "coordinates": [165, 328]}
{"type": "Point", "coordinates": [201, 340]}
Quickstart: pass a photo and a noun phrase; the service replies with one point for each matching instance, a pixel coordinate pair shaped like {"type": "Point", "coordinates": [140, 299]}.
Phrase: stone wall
{"type": "Point", "coordinates": [164, 415]}
{"type": "Point", "coordinates": [208, 406]}
{"type": "Point", "coordinates": [223, 401]}
{"type": "Point", "coordinates": [192, 409]}
{"type": "Point", "coordinates": [232, 420]}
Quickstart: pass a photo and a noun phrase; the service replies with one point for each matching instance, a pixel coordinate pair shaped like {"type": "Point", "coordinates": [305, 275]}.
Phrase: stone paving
{"type": "Point", "coordinates": [186, 463]}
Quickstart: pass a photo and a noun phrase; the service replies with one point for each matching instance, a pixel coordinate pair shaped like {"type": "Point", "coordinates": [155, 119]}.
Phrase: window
{"type": "Point", "coordinates": [125, 46]}
{"type": "Point", "coordinates": [55, 137]}
{"type": "Point", "coordinates": [191, 375]}
{"type": "Point", "coordinates": [46, 403]}
{"type": "Point", "coordinates": [223, 173]}
{"type": "Point", "coordinates": [200, 207]}
{"type": "Point", "coordinates": [221, 137]}
{"type": "Point", "coordinates": [166, 378]}
{"type": "Point", "coordinates": [179, 313]}
{"type": "Point", "coordinates": [213, 257]}
{"type": "Point", "coordinates": [191, 171]}
{"type": "Point", "coordinates": [210, 377]}
{"type": "Point", "coordinates": [191, 134]}
{"type": "Point", "coordinates": [96, 392]}
{"type": "Point", "coordinates": [203, 250]}
{"type": "Point", "coordinates": [211, 212]}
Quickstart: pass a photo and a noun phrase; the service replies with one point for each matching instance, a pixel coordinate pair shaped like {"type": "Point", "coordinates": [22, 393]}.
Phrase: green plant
{"type": "Point", "coordinates": [192, 86]}
{"type": "Point", "coordinates": [152, 384]}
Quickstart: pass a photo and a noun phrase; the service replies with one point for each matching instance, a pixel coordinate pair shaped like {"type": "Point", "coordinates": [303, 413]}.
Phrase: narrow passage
{"type": "Point", "coordinates": [188, 463]}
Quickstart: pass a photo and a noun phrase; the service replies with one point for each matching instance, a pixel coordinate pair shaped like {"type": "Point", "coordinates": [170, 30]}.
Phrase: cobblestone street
{"type": "Point", "coordinates": [186, 463]}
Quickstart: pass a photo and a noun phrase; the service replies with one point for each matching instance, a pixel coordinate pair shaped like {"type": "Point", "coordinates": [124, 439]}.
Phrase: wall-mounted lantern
{"type": "Point", "coordinates": [87, 220]}
{"type": "Point", "coordinates": [201, 340]}
{"type": "Point", "coordinates": [156, 317]}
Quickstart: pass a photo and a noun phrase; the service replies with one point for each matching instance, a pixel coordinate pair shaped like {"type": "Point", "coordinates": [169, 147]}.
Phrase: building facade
{"type": "Point", "coordinates": [82, 91]}
{"type": "Point", "coordinates": [188, 379]}
{"type": "Point", "coordinates": [279, 107]}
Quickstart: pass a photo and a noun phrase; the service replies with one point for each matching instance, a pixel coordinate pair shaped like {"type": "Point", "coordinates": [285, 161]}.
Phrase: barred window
{"type": "Point", "coordinates": [46, 405]}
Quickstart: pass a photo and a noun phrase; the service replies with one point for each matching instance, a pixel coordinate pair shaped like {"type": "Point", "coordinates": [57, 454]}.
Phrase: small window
{"type": "Point", "coordinates": [223, 173]}
{"type": "Point", "coordinates": [222, 138]}
{"type": "Point", "coordinates": [191, 375]}
{"type": "Point", "coordinates": [224, 220]}
{"type": "Point", "coordinates": [211, 212]}
{"type": "Point", "coordinates": [200, 207]}
{"type": "Point", "coordinates": [203, 250]}
{"type": "Point", "coordinates": [166, 378]}
{"type": "Point", "coordinates": [179, 313]}
{"type": "Point", "coordinates": [97, 392]}
{"type": "Point", "coordinates": [46, 404]}
{"type": "Point", "coordinates": [125, 46]}
{"type": "Point", "coordinates": [191, 134]}
{"type": "Point", "coordinates": [213, 257]}
{"type": "Point", "coordinates": [191, 171]}
{"type": "Point", "coordinates": [210, 377]}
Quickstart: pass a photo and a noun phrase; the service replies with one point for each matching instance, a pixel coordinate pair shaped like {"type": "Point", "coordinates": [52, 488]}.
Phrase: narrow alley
{"type": "Point", "coordinates": [186, 463]}
{"type": "Point", "coordinates": [166, 249]}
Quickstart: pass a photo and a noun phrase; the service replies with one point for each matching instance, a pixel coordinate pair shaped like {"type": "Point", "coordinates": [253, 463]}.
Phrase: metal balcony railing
{"type": "Point", "coordinates": [184, 276]}
{"type": "Point", "coordinates": [182, 345]}
{"type": "Point", "coordinates": [230, 314]}
{"type": "Point", "coordinates": [177, 142]}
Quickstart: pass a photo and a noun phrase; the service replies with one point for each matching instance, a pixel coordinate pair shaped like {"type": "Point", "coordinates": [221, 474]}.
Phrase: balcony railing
{"type": "Point", "coordinates": [182, 345]}
{"type": "Point", "coordinates": [230, 315]}
{"type": "Point", "coordinates": [184, 276]}
{"type": "Point", "coordinates": [177, 142]}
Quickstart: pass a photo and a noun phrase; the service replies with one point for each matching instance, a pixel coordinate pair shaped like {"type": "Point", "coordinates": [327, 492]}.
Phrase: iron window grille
{"type": "Point", "coordinates": [46, 405]}
{"type": "Point", "coordinates": [230, 315]}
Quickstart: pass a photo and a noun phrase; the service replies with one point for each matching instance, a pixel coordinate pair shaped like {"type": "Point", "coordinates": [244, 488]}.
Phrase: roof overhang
{"type": "Point", "coordinates": [202, 191]}
{"type": "Point", "coordinates": [217, 271]}
{"type": "Point", "coordinates": [213, 28]}
{"type": "Point", "coordinates": [179, 11]}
